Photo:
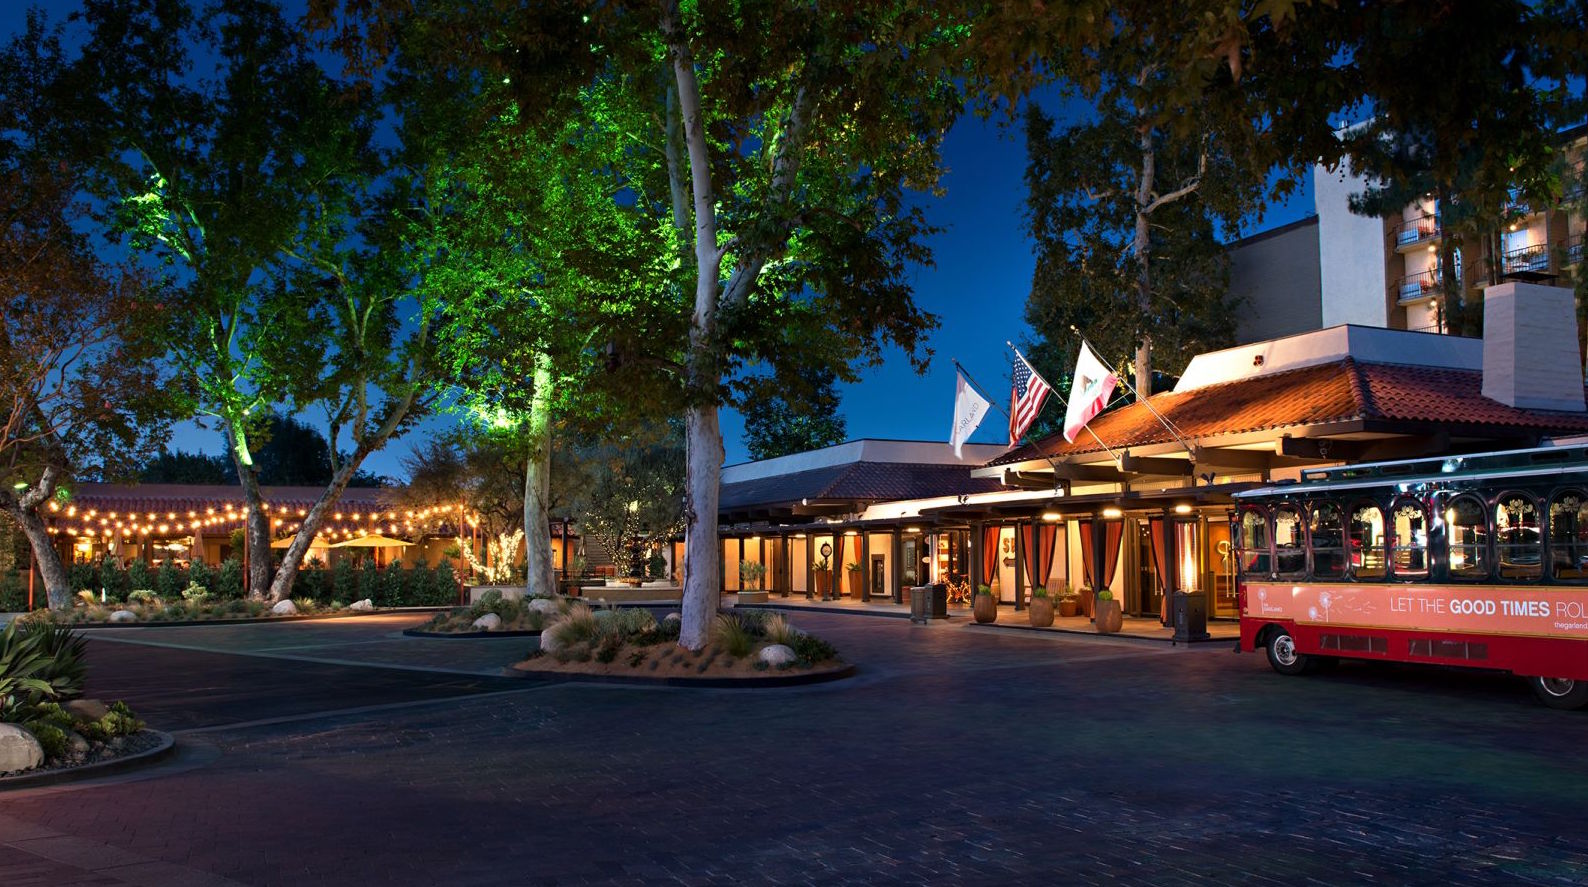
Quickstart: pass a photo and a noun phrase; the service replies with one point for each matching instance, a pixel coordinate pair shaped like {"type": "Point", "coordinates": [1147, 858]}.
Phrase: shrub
{"type": "Point", "coordinates": [142, 596]}
{"type": "Point", "coordinates": [778, 630]}
{"type": "Point", "coordinates": [754, 621]}
{"type": "Point", "coordinates": [229, 580]}
{"type": "Point", "coordinates": [666, 631]}
{"type": "Point", "coordinates": [627, 623]}
{"type": "Point", "coordinates": [138, 576]}
{"type": "Point", "coordinates": [730, 635]}
{"type": "Point", "coordinates": [344, 582]}
{"type": "Point", "coordinates": [369, 581]}
{"type": "Point", "coordinates": [111, 581]}
{"type": "Point", "coordinates": [119, 721]}
{"type": "Point", "coordinates": [13, 592]}
{"type": "Point", "coordinates": [657, 565]}
{"type": "Point", "coordinates": [813, 649]}
{"type": "Point", "coordinates": [393, 591]}
{"type": "Point", "coordinates": [201, 575]}
{"type": "Point", "coordinates": [195, 594]}
{"type": "Point", "coordinates": [607, 648]}
{"type": "Point", "coordinates": [82, 576]}
{"type": "Point", "coordinates": [168, 581]}
{"type": "Point", "coordinates": [443, 586]}
{"type": "Point", "coordinates": [39, 662]}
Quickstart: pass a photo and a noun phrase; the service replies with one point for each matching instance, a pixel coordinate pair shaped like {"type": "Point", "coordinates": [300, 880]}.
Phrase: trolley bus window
{"type": "Point", "coordinates": [1290, 548]}
{"type": "Point", "coordinates": [1409, 541]}
{"type": "Point", "coordinates": [1367, 542]}
{"type": "Point", "coordinates": [1255, 554]}
{"type": "Point", "coordinates": [1568, 536]}
{"type": "Point", "coordinates": [1518, 543]}
{"type": "Point", "coordinates": [1327, 530]}
{"type": "Point", "coordinates": [1468, 531]}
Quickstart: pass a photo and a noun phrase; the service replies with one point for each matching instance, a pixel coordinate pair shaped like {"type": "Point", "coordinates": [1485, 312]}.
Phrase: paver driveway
{"type": "Point", "coordinates": [956, 755]}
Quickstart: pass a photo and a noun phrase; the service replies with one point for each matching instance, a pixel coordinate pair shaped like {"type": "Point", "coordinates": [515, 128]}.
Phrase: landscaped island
{"type": "Point", "coordinates": [630, 643]}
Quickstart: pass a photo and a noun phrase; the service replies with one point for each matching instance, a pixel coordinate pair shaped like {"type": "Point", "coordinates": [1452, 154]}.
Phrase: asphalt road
{"type": "Point", "coordinates": [956, 754]}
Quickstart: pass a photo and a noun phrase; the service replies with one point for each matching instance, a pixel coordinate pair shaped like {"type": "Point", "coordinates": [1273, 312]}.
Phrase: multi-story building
{"type": "Point", "coordinates": [1336, 267]}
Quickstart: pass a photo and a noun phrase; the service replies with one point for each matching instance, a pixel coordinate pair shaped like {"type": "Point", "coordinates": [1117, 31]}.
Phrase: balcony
{"type": "Point", "coordinates": [1573, 250]}
{"type": "Point", "coordinates": [1419, 286]}
{"type": "Point", "coordinates": [1527, 260]}
{"type": "Point", "coordinates": [1515, 206]}
{"type": "Point", "coordinates": [1414, 232]}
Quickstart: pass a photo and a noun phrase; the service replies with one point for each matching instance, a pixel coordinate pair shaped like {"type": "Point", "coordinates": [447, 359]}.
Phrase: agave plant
{"type": "Point", "coordinates": [38, 662]}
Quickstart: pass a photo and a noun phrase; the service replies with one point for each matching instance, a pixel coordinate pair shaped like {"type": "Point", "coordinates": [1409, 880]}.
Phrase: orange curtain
{"type": "Point", "coordinates": [1113, 533]}
{"type": "Point", "coordinates": [989, 553]}
{"type": "Point", "coordinates": [1085, 525]}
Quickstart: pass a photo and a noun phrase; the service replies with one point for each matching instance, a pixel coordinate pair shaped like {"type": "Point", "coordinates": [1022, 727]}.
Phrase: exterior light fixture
{"type": "Point", "coordinates": [1182, 509]}
{"type": "Point", "coordinates": [1112, 513]}
{"type": "Point", "coordinates": [912, 529]}
{"type": "Point", "coordinates": [1050, 516]}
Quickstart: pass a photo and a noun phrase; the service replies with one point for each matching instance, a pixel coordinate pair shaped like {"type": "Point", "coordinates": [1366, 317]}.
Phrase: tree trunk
{"type": "Point", "coordinates": [57, 585]}
{"type": "Point", "coordinates": [537, 486]}
{"type": "Point", "coordinates": [257, 529]}
{"type": "Point", "coordinates": [702, 433]}
{"type": "Point", "coordinates": [1450, 286]}
{"type": "Point", "coordinates": [1141, 248]}
{"type": "Point", "coordinates": [292, 558]}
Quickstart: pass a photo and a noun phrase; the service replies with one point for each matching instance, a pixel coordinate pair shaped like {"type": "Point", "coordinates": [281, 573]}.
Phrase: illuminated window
{"type": "Point", "coordinates": [1326, 527]}
{"type": "Point", "coordinates": [1518, 541]}
{"type": "Point", "coordinates": [1409, 540]}
{"type": "Point", "coordinates": [1366, 541]}
{"type": "Point", "coordinates": [1468, 531]}
{"type": "Point", "coordinates": [1568, 536]}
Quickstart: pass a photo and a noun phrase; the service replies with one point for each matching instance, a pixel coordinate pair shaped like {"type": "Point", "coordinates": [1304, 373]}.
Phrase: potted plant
{"type": "Point", "coordinates": [852, 581]}
{"type": "Point", "coordinates": [1069, 603]}
{"type": "Point", "coordinates": [1041, 610]}
{"type": "Point", "coordinates": [1110, 616]}
{"type": "Point", "coordinates": [985, 608]}
{"type": "Point", "coordinates": [750, 573]}
{"type": "Point", "coordinates": [823, 577]}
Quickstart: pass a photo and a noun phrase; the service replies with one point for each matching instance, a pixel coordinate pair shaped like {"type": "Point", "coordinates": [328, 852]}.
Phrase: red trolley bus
{"type": "Point", "coordinates": [1478, 561]}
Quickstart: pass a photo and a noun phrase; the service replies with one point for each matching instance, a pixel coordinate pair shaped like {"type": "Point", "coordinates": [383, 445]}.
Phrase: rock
{"type": "Point", "coordinates": [85, 711]}
{"type": "Point", "coordinates": [76, 744]}
{"type": "Point", "coordinates": [777, 654]}
{"type": "Point", "coordinates": [18, 749]}
{"type": "Point", "coordinates": [550, 640]}
{"type": "Point", "coordinates": [673, 617]}
{"type": "Point", "coordinates": [364, 606]}
{"type": "Point", "coordinates": [123, 616]}
{"type": "Point", "coordinates": [284, 608]}
{"type": "Point", "coordinates": [544, 606]}
{"type": "Point", "coordinates": [488, 622]}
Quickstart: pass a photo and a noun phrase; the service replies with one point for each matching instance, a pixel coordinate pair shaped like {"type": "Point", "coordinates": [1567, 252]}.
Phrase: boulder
{"type": "Point", "coordinates": [488, 622]}
{"type": "Point", "coordinates": [18, 749]}
{"type": "Point", "coordinates": [544, 605]}
{"type": "Point", "coordinates": [85, 711]}
{"type": "Point", "coordinates": [364, 606]}
{"type": "Point", "coordinates": [673, 617]}
{"type": "Point", "coordinates": [123, 616]}
{"type": "Point", "coordinates": [550, 640]}
{"type": "Point", "coordinates": [777, 655]}
{"type": "Point", "coordinates": [77, 744]}
{"type": "Point", "coordinates": [284, 608]}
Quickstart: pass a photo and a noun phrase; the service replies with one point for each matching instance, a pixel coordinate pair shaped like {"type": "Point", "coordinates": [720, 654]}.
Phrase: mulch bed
{"type": "Point", "coordinates": [145, 746]}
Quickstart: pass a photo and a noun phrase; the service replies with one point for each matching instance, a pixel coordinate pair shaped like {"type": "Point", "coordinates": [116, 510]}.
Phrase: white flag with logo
{"type": "Point", "coordinates": [1089, 392]}
{"type": "Point", "coordinates": [969, 409]}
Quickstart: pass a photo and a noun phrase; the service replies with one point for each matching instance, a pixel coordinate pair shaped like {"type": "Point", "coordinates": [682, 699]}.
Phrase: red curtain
{"type": "Point", "coordinates": [1086, 551]}
{"type": "Point", "coordinates": [989, 553]}
{"type": "Point", "coordinates": [1113, 533]}
{"type": "Point", "coordinates": [1038, 541]}
{"type": "Point", "coordinates": [838, 554]}
{"type": "Point", "coordinates": [1160, 566]}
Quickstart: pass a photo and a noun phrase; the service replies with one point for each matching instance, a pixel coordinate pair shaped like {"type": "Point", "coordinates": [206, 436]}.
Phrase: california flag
{"type": "Point", "coordinates": [1089, 392]}
{"type": "Point", "coordinates": [969, 409]}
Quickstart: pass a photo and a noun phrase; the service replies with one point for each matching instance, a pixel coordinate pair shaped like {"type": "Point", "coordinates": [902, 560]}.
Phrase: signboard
{"type": "Point", "coordinates": [1537, 611]}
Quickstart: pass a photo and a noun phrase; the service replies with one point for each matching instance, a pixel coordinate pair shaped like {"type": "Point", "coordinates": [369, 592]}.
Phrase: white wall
{"type": "Point", "coordinates": [1351, 251]}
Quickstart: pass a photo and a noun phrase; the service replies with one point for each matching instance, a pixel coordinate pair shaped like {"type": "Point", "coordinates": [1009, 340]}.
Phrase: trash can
{"type": "Point", "coordinates": [918, 602]}
{"type": "Point", "coordinates": [1190, 616]}
{"type": "Point", "coordinates": [939, 601]}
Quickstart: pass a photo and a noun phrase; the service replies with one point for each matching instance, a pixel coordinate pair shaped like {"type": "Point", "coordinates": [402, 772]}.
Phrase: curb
{"type": "Point", "coordinates": [995, 627]}
{"type": "Point", "coordinates": [452, 635]}
{"type": "Point", "coordinates": [792, 680]}
{"type": "Point", "coordinates": [807, 608]}
{"type": "Point", "coordinates": [160, 752]}
{"type": "Point", "coordinates": [245, 620]}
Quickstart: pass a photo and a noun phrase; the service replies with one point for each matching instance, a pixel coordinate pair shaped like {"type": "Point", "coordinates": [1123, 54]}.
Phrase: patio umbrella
{"type": "Point", "coordinates": [317, 542]}
{"type": "Point", "coordinates": [376, 541]}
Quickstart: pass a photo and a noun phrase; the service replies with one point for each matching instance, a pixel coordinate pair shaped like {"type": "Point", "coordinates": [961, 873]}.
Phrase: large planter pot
{"type": "Point", "coordinates": [1110, 616]}
{"type": "Point", "coordinates": [1041, 612]}
{"type": "Point", "coordinates": [1069, 606]}
{"type": "Point", "coordinates": [824, 582]}
{"type": "Point", "coordinates": [1088, 598]}
{"type": "Point", "coordinates": [852, 583]}
{"type": "Point", "coordinates": [985, 609]}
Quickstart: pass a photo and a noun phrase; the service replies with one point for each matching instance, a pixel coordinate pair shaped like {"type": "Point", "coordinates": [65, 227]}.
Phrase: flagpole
{"type": "Point", "coordinates": [1065, 401]}
{"type": "Point", "coordinates": [1146, 402]}
{"type": "Point", "coordinates": [1025, 438]}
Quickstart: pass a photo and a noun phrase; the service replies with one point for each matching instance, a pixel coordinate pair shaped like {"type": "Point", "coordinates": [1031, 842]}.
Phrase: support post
{"type": "Point", "coordinates": [1020, 565]}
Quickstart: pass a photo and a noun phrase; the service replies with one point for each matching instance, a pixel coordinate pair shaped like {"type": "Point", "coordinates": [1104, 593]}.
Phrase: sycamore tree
{"type": "Point", "coordinates": [1459, 105]}
{"type": "Point", "coordinates": [1129, 206]}
{"type": "Point", "coordinates": [219, 145]}
{"type": "Point", "coordinates": [630, 498]}
{"type": "Point", "coordinates": [790, 413]}
{"type": "Point", "coordinates": [80, 393]}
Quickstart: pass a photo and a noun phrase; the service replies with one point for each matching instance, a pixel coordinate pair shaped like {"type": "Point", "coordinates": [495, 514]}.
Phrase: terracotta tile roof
{"type": "Point", "coordinates": [855, 481]}
{"type": "Point", "coordinates": [1333, 392]}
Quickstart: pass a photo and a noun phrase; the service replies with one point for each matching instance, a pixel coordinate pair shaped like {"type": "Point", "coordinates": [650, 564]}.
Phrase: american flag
{"type": "Point", "coordinates": [1030, 390]}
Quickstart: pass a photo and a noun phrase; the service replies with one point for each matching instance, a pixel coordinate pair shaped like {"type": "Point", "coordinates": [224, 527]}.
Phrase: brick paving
{"type": "Point", "coordinates": [956, 755]}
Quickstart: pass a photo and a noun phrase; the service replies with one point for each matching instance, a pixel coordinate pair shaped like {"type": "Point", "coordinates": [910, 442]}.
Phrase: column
{"type": "Point", "coordinates": [897, 589]}
{"type": "Point", "coordinates": [865, 565]}
{"type": "Point", "coordinates": [1020, 565]}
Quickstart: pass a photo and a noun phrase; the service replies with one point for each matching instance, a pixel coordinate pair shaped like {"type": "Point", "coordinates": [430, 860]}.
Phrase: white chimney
{"type": "Point", "coordinates": [1530, 357]}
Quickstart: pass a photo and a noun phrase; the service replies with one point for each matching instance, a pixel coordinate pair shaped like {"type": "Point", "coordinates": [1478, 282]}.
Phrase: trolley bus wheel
{"type": "Point", "coordinates": [1282, 654]}
{"type": "Point", "coordinates": [1562, 693]}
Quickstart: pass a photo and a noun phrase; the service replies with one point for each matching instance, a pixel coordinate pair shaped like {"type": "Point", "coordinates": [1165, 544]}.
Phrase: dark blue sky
{"type": "Point", "coordinates": [978, 290]}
